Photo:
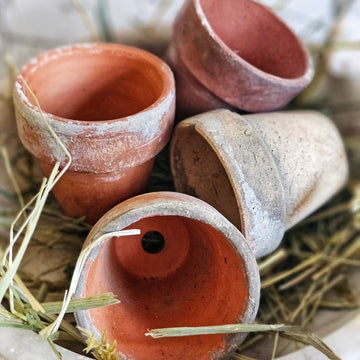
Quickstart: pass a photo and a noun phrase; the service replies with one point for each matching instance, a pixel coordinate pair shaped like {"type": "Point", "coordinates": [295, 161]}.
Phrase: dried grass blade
{"type": "Point", "coordinates": [90, 302]}
{"type": "Point", "coordinates": [6, 280]}
{"type": "Point", "coordinates": [348, 252]}
{"type": "Point", "coordinates": [11, 176]}
{"type": "Point", "coordinates": [272, 260]}
{"type": "Point", "coordinates": [52, 328]}
{"type": "Point", "coordinates": [237, 356]}
{"type": "Point", "coordinates": [220, 329]}
{"type": "Point", "coordinates": [276, 341]}
{"type": "Point", "coordinates": [273, 280]}
{"type": "Point", "coordinates": [310, 339]}
{"type": "Point", "coordinates": [87, 20]}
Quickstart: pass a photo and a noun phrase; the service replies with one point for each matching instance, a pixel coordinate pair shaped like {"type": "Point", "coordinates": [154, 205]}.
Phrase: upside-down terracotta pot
{"type": "Point", "coordinates": [235, 53]}
{"type": "Point", "coordinates": [189, 267]}
{"type": "Point", "coordinates": [263, 172]}
{"type": "Point", "coordinates": [113, 108]}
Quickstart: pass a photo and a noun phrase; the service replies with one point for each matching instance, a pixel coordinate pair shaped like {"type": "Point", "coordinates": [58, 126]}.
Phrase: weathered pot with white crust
{"type": "Point", "coordinates": [196, 269]}
{"type": "Point", "coordinates": [263, 172]}
{"type": "Point", "coordinates": [239, 53]}
{"type": "Point", "coordinates": [113, 108]}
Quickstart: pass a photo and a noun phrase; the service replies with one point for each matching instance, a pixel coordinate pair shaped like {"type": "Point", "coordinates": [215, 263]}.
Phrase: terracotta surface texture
{"type": "Point", "coordinates": [111, 105]}
{"type": "Point", "coordinates": [263, 172]}
{"type": "Point", "coordinates": [188, 267]}
{"type": "Point", "coordinates": [238, 52]}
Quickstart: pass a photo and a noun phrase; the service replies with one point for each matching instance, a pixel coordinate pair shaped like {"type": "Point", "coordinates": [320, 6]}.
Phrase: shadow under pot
{"type": "Point", "coordinates": [111, 105]}
{"type": "Point", "coordinates": [235, 53]}
{"type": "Point", "coordinates": [263, 172]}
{"type": "Point", "coordinates": [189, 267]}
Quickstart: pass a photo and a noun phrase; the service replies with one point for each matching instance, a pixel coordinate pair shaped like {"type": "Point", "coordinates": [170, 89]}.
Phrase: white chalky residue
{"type": "Point", "coordinates": [131, 124]}
{"type": "Point", "coordinates": [140, 128]}
{"type": "Point", "coordinates": [203, 19]}
{"type": "Point", "coordinates": [266, 231]}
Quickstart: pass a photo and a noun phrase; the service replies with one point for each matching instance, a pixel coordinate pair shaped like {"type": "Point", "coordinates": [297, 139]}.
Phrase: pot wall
{"type": "Point", "coordinates": [111, 105]}
{"type": "Point", "coordinates": [263, 172]}
{"type": "Point", "coordinates": [260, 61]}
{"type": "Point", "coordinates": [203, 274]}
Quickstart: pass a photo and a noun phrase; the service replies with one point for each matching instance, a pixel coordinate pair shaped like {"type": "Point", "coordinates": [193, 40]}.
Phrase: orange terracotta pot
{"type": "Point", "coordinates": [113, 108]}
{"type": "Point", "coordinates": [238, 52]}
{"type": "Point", "coordinates": [189, 267]}
{"type": "Point", "coordinates": [263, 172]}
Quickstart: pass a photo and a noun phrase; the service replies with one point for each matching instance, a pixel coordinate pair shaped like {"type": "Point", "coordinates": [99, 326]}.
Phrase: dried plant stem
{"type": "Point", "coordinates": [311, 339]}
{"type": "Point", "coordinates": [349, 251]}
{"type": "Point", "coordinates": [11, 176]}
{"type": "Point", "coordinates": [274, 259]}
{"type": "Point", "coordinates": [276, 341]}
{"type": "Point", "coordinates": [327, 287]}
{"type": "Point", "coordinates": [90, 302]}
{"type": "Point", "coordinates": [303, 265]}
{"type": "Point", "coordinates": [42, 293]}
{"type": "Point", "coordinates": [281, 305]}
{"type": "Point", "coordinates": [303, 302]}
{"type": "Point", "coordinates": [6, 280]}
{"type": "Point", "coordinates": [237, 356]}
{"type": "Point", "coordinates": [52, 328]}
{"type": "Point", "coordinates": [322, 65]}
{"type": "Point", "coordinates": [328, 213]}
{"type": "Point", "coordinates": [220, 329]}
{"type": "Point", "coordinates": [338, 305]}
{"type": "Point", "coordinates": [87, 20]}
{"type": "Point", "coordinates": [250, 342]}
{"type": "Point", "coordinates": [300, 278]}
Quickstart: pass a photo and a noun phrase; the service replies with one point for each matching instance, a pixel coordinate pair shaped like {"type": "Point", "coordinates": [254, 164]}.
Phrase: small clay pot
{"type": "Point", "coordinates": [263, 172]}
{"type": "Point", "coordinates": [239, 53]}
{"type": "Point", "coordinates": [113, 108]}
{"type": "Point", "coordinates": [189, 267]}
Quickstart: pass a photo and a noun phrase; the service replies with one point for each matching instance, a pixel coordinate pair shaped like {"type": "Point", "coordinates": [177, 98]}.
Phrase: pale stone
{"type": "Point", "coordinates": [20, 344]}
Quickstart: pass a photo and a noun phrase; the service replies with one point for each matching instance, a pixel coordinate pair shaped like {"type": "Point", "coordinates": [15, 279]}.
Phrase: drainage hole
{"type": "Point", "coordinates": [153, 242]}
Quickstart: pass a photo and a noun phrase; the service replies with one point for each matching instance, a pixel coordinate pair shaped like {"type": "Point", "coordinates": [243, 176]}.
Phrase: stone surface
{"type": "Point", "coordinates": [20, 344]}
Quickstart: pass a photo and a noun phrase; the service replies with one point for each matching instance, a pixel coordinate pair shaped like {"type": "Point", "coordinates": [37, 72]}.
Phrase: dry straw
{"type": "Point", "coordinates": [310, 271]}
{"type": "Point", "coordinates": [20, 314]}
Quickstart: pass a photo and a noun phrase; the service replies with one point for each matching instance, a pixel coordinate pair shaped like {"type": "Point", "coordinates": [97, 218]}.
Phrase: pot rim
{"type": "Point", "coordinates": [156, 204]}
{"type": "Point", "coordinates": [83, 126]}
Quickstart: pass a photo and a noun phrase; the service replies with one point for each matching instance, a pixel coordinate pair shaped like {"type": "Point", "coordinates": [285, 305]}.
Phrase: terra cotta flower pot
{"type": "Point", "coordinates": [113, 108]}
{"type": "Point", "coordinates": [239, 53]}
{"type": "Point", "coordinates": [263, 172]}
{"type": "Point", "coordinates": [189, 267]}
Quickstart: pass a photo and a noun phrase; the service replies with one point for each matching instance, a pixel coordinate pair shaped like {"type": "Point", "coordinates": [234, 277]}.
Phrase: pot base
{"type": "Point", "coordinates": [92, 195]}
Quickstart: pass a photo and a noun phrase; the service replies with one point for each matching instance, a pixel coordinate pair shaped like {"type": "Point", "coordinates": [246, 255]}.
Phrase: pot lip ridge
{"type": "Point", "coordinates": [157, 204]}
{"type": "Point", "coordinates": [257, 218]}
{"type": "Point", "coordinates": [231, 57]}
{"type": "Point", "coordinates": [161, 105]}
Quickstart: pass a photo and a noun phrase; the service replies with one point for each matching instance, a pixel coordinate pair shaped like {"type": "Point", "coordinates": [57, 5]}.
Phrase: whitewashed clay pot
{"type": "Point", "coordinates": [263, 172]}
{"type": "Point", "coordinates": [200, 271]}
{"type": "Point", "coordinates": [113, 108]}
{"type": "Point", "coordinates": [235, 53]}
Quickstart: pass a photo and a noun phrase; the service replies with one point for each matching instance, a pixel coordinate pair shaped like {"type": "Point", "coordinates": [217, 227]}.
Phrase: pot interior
{"type": "Point", "coordinates": [258, 36]}
{"type": "Point", "coordinates": [198, 172]}
{"type": "Point", "coordinates": [178, 272]}
{"type": "Point", "coordinates": [94, 83]}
